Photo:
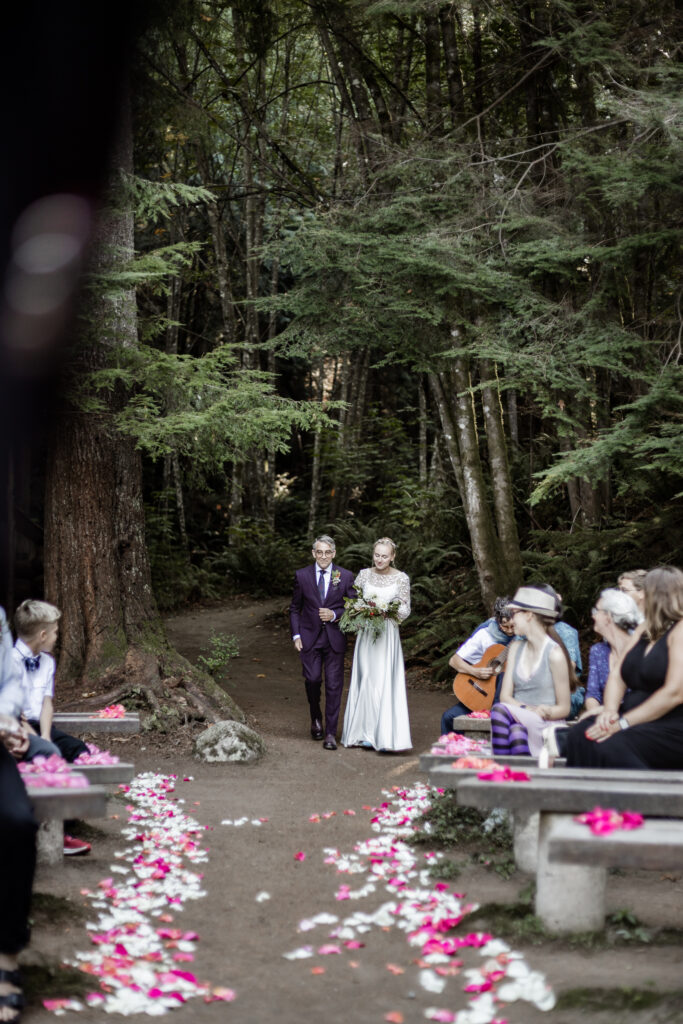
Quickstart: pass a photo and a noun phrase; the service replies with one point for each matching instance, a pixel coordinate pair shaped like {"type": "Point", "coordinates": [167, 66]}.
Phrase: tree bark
{"type": "Point", "coordinates": [433, 73]}
{"type": "Point", "coordinates": [96, 565]}
{"type": "Point", "coordinates": [452, 61]}
{"type": "Point", "coordinates": [479, 521]}
{"type": "Point", "coordinates": [422, 441]}
{"type": "Point", "coordinates": [459, 431]}
{"type": "Point", "coordinates": [501, 484]}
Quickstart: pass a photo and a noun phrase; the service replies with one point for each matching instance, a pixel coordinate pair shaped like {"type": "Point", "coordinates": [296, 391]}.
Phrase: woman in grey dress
{"type": "Point", "coordinates": [536, 685]}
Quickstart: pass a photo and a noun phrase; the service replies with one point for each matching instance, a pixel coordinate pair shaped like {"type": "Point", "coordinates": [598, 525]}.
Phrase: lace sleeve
{"type": "Point", "coordinates": [359, 581]}
{"type": "Point", "coordinates": [404, 596]}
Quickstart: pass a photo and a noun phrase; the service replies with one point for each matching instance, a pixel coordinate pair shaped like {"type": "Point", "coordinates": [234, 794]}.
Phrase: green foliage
{"type": "Point", "coordinates": [259, 562]}
{"type": "Point", "coordinates": [550, 249]}
{"type": "Point", "coordinates": [179, 577]}
{"type": "Point", "coordinates": [627, 927]}
{"type": "Point", "coordinates": [447, 824]}
{"type": "Point", "coordinates": [218, 651]}
{"type": "Point", "coordinates": [209, 410]}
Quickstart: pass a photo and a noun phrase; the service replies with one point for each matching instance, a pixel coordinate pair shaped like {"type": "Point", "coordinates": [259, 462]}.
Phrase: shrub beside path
{"type": "Point", "coordinates": [273, 881]}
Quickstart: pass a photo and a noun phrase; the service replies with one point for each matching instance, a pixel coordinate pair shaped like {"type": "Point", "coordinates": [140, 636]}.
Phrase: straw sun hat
{"type": "Point", "coordinates": [532, 599]}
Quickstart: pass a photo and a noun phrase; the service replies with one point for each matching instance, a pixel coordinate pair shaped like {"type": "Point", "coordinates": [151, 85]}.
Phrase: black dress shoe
{"type": "Point", "coordinates": [330, 743]}
{"type": "Point", "coordinates": [316, 729]}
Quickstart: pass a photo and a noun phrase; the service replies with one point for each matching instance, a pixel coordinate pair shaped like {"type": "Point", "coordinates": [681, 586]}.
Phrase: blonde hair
{"type": "Point", "coordinates": [663, 599]}
{"type": "Point", "coordinates": [636, 576]}
{"type": "Point", "coordinates": [389, 541]}
{"type": "Point", "coordinates": [32, 616]}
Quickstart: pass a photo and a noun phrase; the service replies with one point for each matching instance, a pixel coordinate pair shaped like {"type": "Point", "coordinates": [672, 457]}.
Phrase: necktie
{"type": "Point", "coordinates": [32, 663]}
{"type": "Point", "coordinates": [321, 585]}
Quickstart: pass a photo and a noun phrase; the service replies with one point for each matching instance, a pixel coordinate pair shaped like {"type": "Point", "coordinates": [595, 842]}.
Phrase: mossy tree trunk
{"type": "Point", "coordinates": [96, 562]}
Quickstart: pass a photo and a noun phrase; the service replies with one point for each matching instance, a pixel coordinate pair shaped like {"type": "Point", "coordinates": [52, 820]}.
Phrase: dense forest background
{"type": "Point", "coordinates": [373, 267]}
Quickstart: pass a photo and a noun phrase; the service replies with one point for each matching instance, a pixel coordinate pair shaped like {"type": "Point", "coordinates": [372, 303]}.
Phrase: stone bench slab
{"type": "Point", "coordinates": [80, 722]}
{"type": "Point", "coordinates": [445, 776]}
{"type": "Point", "coordinates": [554, 792]}
{"type": "Point", "coordinates": [106, 774]}
{"type": "Point", "coordinates": [50, 803]}
{"type": "Point", "coordinates": [465, 724]}
{"type": "Point", "coordinates": [428, 762]}
{"type": "Point", "coordinates": [655, 846]}
{"type": "Point", "coordinates": [52, 807]}
{"type": "Point", "coordinates": [569, 897]}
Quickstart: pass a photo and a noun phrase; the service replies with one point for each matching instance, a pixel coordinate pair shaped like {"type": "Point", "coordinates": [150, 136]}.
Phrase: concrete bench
{"type": "Point", "coordinates": [53, 806]}
{"type": "Point", "coordinates": [656, 846]}
{"type": "Point", "coordinates": [571, 897]}
{"type": "Point", "coordinates": [428, 762]}
{"type": "Point", "coordinates": [106, 774]}
{"type": "Point", "coordinates": [525, 822]}
{"type": "Point", "coordinates": [85, 721]}
{"type": "Point", "coordinates": [476, 728]}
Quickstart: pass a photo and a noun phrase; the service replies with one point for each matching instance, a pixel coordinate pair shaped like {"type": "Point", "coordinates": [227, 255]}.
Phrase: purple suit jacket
{"type": "Point", "coordinates": [303, 611]}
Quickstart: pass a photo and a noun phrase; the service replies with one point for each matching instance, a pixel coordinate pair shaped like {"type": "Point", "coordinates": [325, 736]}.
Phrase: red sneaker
{"type": "Point", "coordinates": [75, 846]}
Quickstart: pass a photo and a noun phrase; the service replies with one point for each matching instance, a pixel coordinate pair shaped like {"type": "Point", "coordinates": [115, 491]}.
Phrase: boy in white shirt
{"type": "Point", "coordinates": [37, 626]}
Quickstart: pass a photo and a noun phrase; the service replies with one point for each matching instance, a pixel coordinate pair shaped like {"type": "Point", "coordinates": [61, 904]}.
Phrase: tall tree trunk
{"type": "Point", "coordinates": [513, 422]}
{"type": "Point", "coordinates": [96, 565]}
{"type": "Point", "coordinates": [475, 500]}
{"type": "Point", "coordinates": [433, 73]}
{"type": "Point", "coordinates": [501, 484]}
{"type": "Point", "coordinates": [452, 61]}
{"type": "Point", "coordinates": [448, 427]}
{"type": "Point", "coordinates": [422, 441]}
{"type": "Point", "coordinates": [459, 431]}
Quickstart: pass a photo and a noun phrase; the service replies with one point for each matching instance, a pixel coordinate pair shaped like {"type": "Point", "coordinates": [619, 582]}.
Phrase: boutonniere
{"type": "Point", "coordinates": [335, 577]}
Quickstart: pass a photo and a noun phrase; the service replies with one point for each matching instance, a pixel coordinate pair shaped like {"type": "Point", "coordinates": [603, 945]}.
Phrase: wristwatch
{"type": "Point", "coordinates": [623, 723]}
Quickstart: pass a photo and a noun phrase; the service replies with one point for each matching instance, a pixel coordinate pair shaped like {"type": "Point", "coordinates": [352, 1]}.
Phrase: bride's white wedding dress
{"type": "Point", "coordinates": [376, 706]}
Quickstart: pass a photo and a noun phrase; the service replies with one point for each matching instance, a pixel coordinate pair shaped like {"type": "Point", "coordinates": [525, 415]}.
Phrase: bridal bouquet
{"type": "Point", "coordinates": [371, 616]}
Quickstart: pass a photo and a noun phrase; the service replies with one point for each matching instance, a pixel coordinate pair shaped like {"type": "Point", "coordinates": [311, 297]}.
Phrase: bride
{"type": "Point", "coordinates": [376, 707]}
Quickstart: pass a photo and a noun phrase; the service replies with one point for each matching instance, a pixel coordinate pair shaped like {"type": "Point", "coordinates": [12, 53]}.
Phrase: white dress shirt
{"type": "Point", "coordinates": [38, 684]}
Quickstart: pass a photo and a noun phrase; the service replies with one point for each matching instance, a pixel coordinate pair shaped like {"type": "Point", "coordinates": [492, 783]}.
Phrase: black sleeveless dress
{"type": "Point", "coordinates": [654, 745]}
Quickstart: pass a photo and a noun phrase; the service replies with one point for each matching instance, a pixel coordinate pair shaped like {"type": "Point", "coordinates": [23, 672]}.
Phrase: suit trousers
{"type": "Point", "coordinates": [17, 857]}
{"type": "Point", "coordinates": [323, 658]}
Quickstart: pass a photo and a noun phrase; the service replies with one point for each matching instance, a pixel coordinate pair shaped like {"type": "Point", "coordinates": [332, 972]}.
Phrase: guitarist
{"type": "Point", "coordinates": [496, 630]}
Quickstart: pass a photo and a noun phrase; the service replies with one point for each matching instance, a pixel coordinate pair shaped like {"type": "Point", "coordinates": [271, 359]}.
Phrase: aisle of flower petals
{"type": "Point", "coordinates": [427, 912]}
{"type": "Point", "coordinates": [139, 958]}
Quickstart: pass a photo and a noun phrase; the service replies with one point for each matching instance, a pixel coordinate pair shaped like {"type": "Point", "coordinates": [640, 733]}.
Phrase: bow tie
{"type": "Point", "coordinates": [32, 663]}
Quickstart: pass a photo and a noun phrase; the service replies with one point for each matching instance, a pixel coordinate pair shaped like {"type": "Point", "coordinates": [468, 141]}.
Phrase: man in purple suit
{"type": "Point", "coordinates": [317, 605]}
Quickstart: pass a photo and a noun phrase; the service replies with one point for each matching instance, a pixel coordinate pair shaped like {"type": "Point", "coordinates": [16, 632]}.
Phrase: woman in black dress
{"type": "Point", "coordinates": [644, 727]}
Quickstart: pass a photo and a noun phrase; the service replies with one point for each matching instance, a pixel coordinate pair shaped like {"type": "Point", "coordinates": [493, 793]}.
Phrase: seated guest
{"type": "Point", "coordinates": [496, 630]}
{"type": "Point", "coordinates": [18, 830]}
{"type": "Point", "coordinates": [570, 638]}
{"type": "Point", "coordinates": [538, 673]}
{"type": "Point", "coordinates": [615, 616]}
{"type": "Point", "coordinates": [37, 626]}
{"type": "Point", "coordinates": [632, 583]}
{"type": "Point", "coordinates": [641, 728]}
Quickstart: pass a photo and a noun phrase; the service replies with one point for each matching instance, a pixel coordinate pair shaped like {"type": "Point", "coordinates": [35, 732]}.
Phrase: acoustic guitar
{"type": "Point", "coordinates": [477, 694]}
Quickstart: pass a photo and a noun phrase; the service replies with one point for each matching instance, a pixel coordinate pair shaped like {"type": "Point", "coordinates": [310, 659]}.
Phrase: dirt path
{"type": "Point", "coordinates": [242, 939]}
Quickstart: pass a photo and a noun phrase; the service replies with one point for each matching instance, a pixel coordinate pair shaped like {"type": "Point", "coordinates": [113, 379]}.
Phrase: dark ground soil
{"type": "Point", "coordinates": [242, 941]}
